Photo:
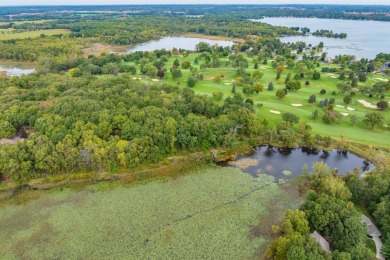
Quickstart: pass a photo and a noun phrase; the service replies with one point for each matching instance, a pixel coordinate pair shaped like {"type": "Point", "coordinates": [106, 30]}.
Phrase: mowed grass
{"type": "Point", "coordinates": [32, 34]}
{"type": "Point", "coordinates": [215, 213]}
{"type": "Point", "coordinates": [267, 100]}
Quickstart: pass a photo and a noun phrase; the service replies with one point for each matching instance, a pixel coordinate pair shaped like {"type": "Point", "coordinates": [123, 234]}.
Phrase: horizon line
{"type": "Point", "coordinates": [249, 4]}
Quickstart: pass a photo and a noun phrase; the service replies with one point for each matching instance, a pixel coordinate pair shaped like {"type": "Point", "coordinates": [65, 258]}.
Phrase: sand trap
{"type": "Point", "coordinates": [367, 104]}
{"type": "Point", "coordinates": [263, 68]}
{"type": "Point", "coordinates": [344, 114]}
{"type": "Point", "coordinates": [134, 78]}
{"type": "Point", "coordinates": [340, 106]}
{"type": "Point", "coordinates": [351, 109]}
{"type": "Point", "coordinates": [296, 105]}
{"type": "Point", "coordinates": [381, 79]}
{"type": "Point", "coordinates": [334, 77]}
{"type": "Point", "coordinates": [227, 84]}
{"type": "Point", "coordinates": [139, 78]}
{"type": "Point", "coordinates": [275, 112]}
{"type": "Point", "coordinates": [155, 80]}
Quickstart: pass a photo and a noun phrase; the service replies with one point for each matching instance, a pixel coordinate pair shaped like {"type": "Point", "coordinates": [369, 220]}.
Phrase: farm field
{"type": "Point", "coordinates": [23, 22]}
{"type": "Point", "coordinates": [227, 212]}
{"type": "Point", "coordinates": [30, 34]}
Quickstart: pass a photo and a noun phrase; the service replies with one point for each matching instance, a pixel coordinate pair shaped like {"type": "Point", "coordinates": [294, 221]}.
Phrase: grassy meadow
{"type": "Point", "coordinates": [6, 34]}
{"type": "Point", "coordinates": [267, 100]}
{"type": "Point", "coordinates": [214, 213]}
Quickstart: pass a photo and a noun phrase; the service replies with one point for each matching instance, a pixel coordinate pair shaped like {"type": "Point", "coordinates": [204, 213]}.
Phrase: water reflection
{"type": "Point", "coordinates": [288, 163]}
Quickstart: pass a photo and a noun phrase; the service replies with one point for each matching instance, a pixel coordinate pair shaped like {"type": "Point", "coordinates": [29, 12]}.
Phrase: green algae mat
{"type": "Point", "coordinates": [215, 213]}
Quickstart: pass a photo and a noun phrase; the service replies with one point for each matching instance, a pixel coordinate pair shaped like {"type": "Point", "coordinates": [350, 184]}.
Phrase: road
{"type": "Point", "coordinates": [375, 233]}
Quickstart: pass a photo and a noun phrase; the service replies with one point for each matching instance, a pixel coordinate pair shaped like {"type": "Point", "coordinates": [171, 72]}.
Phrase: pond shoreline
{"type": "Point", "coordinates": [177, 166]}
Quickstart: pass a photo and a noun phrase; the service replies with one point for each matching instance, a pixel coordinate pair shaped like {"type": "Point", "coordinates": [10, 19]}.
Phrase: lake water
{"type": "Point", "coordinates": [365, 38]}
{"type": "Point", "coordinates": [168, 43]}
{"type": "Point", "coordinates": [16, 69]}
{"type": "Point", "coordinates": [288, 163]}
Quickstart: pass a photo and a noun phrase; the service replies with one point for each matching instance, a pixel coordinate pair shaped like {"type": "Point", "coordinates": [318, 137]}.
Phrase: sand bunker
{"type": "Point", "coordinates": [344, 114]}
{"type": "Point", "coordinates": [155, 80]}
{"type": "Point", "coordinates": [296, 105]}
{"type": "Point", "coordinates": [381, 79]}
{"type": "Point", "coordinates": [339, 106]}
{"type": "Point", "coordinates": [351, 109]}
{"type": "Point", "coordinates": [227, 84]}
{"type": "Point", "coordinates": [367, 104]}
{"type": "Point", "coordinates": [134, 78]}
{"type": "Point", "coordinates": [275, 112]}
{"type": "Point", "coordinates": [334, 77]}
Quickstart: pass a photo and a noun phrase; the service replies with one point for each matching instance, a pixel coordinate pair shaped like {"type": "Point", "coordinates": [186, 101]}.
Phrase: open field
{"type": "Point", "coordinates": [294, 102]}
{"type": "Point", "coordinates": [227, 212]}
{"type": "Point", "coordinates": [32, 34]}
{"type": "Point", "coordinates": [22, 22]}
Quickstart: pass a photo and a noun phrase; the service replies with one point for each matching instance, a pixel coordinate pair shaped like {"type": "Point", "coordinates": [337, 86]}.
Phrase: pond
{"type": "Point", "coordinates": [287, 163]}
{"type": "Point", "coordinates": [168, 43]}
{"type": "Point", "coordinates": [365, 38]}
{"type": "Point", "coordinates": [16, 69]}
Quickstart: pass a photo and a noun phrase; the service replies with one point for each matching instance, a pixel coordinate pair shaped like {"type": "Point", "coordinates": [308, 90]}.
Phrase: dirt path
{"type": "Point", "coordinates": [375, 233]}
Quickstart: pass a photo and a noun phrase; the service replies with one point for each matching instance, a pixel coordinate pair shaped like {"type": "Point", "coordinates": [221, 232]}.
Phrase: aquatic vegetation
{"type": "Point", "coordinates": [244, 163]}
{"type": "Point", "coordinates": [213, 213]}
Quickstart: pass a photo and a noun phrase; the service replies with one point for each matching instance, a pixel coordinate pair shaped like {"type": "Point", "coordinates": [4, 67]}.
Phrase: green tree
{"type": "Point", "coordinates": [382, 105]}
{"type": "Point", "coordinates": [386, 247]}
{"type": "Point", "coordinates": [176, 63]}
{"type": "Point", "coordinates": [347, 99]}
{"type": "Point", "coordinates": [290, 118]}
{"type": "Point", "coordinates": [257, 75]}
{"type": "Point", "coordinates": [293, 85]}
{"type": "Point", "coordinates": [373, 119]}
{"type": "Point", "coordinates": [316, 75]}
{"type": "Point", "coordinates": [186, 65]}
{"type": "Point", "coordinates": [218, 95]}
{"type": "Point", "coordinates": [281, 93]}
{"type": "Point", "coordinates": [176, 73]}
{"type": "Point", "coordinates": [270, 86]}
{"type": "Point", "coordinates": [234, 88]}
{"type": "Point", "coordinates": [191, 81]}
{"type": "Point", "coordinates": [312, 99]}
{"type": "Point", "coordinates": [6, 129]}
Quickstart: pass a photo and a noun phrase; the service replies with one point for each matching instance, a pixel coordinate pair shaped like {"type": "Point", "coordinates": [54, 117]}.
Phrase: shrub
{"type": "Point", "coordinates": [312, 99]}
{"type": "Point", "coordinates": [382, 105]}
{"type": "Point", "coordinates": [280, 93]}
{"type": "Point", "coordinates": [217, 95]}
{"type": "Point", "coordinates": [270, 86]}
{"type": "Point", "coordinates": [191, 81]}
{"type": "Point", "coordinates": [347, 99]}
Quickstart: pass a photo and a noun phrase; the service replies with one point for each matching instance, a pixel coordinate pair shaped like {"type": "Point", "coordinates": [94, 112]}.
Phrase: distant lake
{"type": "Point", "coordinates": [287, 163]}
{"type": "Point", "coordinates": [365, 38]}
{"type": "Point", "coordinates": [15, 69]}
{"type": "Point", "coordinates": [169, 43]}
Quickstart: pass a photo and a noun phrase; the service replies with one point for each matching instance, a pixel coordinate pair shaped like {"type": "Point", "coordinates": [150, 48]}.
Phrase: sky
{"type": "Point", "coordinates": [129, 2]}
